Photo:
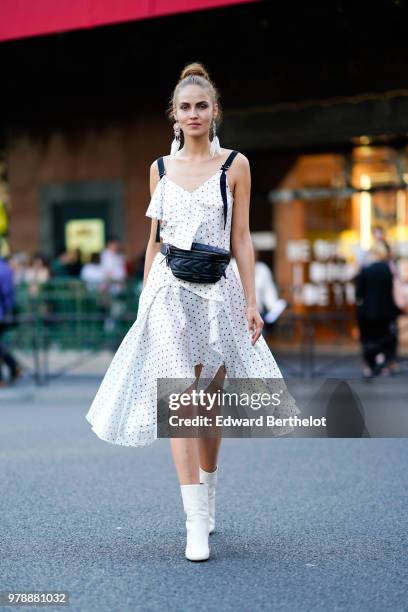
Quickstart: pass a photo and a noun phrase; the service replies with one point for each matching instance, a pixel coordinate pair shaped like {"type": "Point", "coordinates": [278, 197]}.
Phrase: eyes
{"type": "Point", "coordinates": [200, 105]}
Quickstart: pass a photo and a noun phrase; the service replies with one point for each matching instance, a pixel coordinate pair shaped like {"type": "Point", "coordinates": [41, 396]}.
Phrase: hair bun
{"type": "Point", "coordinates": [194, 68]}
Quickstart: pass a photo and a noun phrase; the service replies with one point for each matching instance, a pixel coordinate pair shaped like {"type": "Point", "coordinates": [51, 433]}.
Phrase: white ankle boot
{"type": "Point", "coordinates": [210, 478]}
{"type": "Point", "coordinates": [195, 502]}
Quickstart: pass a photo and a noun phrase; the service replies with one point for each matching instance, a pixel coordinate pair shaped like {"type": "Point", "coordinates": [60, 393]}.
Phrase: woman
{"type": "Point", "coordinates": [187, 329]}
{"type": "Point", "coordinates": [376, 311]}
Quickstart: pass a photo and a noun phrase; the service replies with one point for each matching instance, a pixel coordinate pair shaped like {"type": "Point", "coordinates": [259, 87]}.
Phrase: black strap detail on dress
{"type": "Point", "coordinates": [223, 185]}
{"type": "Point", "coordinates": [223, 182]}
{"type": "Point", "coordinates": [162, 172]}
{"type": "Point", "coordinates": [160, 163]}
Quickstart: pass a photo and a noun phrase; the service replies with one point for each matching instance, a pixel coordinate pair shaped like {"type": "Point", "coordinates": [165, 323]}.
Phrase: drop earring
{"type": "Point", "coordinates": [175, 145]}
{"type": "Point", "coordinates": [215, 148]}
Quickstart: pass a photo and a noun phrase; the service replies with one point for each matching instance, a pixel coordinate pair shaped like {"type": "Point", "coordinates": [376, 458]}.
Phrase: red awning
{"type": "Point", "coordinates": [23, 18]}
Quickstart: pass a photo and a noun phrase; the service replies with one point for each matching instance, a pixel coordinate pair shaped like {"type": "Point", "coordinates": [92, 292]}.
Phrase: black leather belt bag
{"type": "Point", "coordinates": [202, 264]}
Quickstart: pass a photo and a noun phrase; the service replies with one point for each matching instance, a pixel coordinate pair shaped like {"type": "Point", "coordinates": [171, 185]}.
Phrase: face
{"type": "Point", "coordinates": [113, 245]}
{"type": "Point", "coordinates": [194, 110]}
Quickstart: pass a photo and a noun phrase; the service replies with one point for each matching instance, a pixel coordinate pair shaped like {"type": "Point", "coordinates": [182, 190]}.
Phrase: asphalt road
{"type": "Point", "coordinates": [302, 524]}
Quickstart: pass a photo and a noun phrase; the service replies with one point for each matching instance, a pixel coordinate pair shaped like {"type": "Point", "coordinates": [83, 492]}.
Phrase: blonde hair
{"type": "Point", "coordinates": [195, 74]}
{"type": "Point", "coordinates": [378, 251]}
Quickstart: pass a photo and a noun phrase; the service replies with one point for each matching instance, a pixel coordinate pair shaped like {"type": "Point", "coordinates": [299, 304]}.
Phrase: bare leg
{"type": "Point", "coordinates": [185, 450]}
{"type": "Point", "coordinates": [208, 448]}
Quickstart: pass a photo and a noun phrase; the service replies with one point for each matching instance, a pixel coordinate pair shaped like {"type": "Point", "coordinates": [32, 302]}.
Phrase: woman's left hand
{"type": "Point", "coordinates": [255, 323]}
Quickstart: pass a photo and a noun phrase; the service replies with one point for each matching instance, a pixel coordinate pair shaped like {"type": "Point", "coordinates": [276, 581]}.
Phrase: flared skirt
{"type": "Point", "coordinates": [178, 326]}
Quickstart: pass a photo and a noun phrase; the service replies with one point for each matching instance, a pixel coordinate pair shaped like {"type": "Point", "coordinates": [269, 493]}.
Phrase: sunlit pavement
{"type": "Point", "coordinates": [302, 524]}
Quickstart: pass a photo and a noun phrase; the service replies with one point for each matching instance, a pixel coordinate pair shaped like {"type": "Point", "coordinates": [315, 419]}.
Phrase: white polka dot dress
{"type": "Point", "coordinates": [180, 324]}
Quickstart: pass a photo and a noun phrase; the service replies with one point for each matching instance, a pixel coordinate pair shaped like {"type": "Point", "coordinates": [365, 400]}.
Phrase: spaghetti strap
{"type": "Point", "coordinates": [223, 182]}
{"type": "Point", "coordinates": [229, 160]}
{"type": "Point", "coordinates": [162, 172]}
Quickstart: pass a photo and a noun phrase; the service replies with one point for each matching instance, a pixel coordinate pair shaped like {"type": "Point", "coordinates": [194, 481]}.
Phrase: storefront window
{"type": "Point", "coordinates": [328, 210]}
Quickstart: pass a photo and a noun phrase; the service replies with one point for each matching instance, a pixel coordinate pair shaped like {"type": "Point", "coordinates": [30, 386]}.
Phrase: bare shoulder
{"type": "Point", "coordinates": [154, 176]}
{"type": "Point", "coordinates": [239, 173]}
{"type": "Point", "coordinates": [242, 162]}
{"type": "Point", "coordinates": [154, 170]}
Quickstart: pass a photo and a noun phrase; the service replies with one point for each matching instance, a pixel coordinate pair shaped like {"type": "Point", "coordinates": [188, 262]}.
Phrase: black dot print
{"type": "Point", "coordinates": [180, 324]}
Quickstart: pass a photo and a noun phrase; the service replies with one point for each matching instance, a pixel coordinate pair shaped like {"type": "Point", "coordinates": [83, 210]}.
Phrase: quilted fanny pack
{"type": "Point", "coordinates": [203, 263]}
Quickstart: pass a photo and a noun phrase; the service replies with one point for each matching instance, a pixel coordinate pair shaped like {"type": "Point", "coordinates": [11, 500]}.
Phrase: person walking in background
{"type": "Point", "coordinates": [92, 272]}
{"type": "Point", "coordinates": [366, 258]}
{"type": "Point", "coordinates": [61, 264]}
{"type": "Point", "coordinates": [113, 261]}
{"type": "Point", "coordinates": [7, 302]}
{"type": "Point", "coordinates": [393, 359]}
{"type": "Point", "coordinates": [36, 274]}
{"type": "Point", "coordinates": [364, 255]}
{"type": "Point", "coordinates": [19, 263]}
{"type": "Point", "coordinates": [376, 312]}
{"type": "Point", "coordinates": [113, 264]}
{"type": "Point", "coordinates": [75, 266]}
{"type": "Point", "coordinates": [270, 306]}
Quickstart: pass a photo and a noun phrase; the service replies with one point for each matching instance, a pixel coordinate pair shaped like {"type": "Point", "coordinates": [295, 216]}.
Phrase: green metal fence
{"type": "Point", "coordinates": [66, 314]}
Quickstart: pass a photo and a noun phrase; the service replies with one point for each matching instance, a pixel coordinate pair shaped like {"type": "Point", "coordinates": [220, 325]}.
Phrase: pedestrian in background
{"type": "Point", "coordinates": [92, 272]}
{"type": "Point", "coordinates": [113, 261]}
{"type": "Point", "coordinates": [270, 306]}
{"type": "Point", "coordinates": [7, 303]}
{"type": "Point", "coordinates": [376, 311]}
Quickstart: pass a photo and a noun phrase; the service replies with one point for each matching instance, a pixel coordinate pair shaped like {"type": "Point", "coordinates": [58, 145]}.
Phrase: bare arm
{"type": "Point", "coordinates": [153, 247]}
{"type": "Point", "coordinates": [241, 243]}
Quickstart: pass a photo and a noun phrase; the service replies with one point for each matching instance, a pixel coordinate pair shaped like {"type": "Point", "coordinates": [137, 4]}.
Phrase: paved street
{"type": "Point", "coordinates": [302, 524]}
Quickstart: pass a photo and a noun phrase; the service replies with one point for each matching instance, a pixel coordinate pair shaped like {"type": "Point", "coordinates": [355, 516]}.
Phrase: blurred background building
{"type": "Point", "coordinates": [316, 95]}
